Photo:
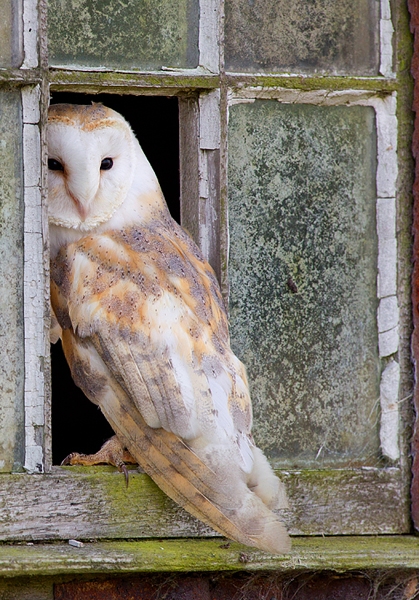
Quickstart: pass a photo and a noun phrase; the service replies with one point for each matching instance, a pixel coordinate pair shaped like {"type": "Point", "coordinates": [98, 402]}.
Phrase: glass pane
{"type": "Point", "coordinates": [302, 36]}
{"type": "Point", "coordinates": [10, 33]}
{"type": "Point", "coordinates": [135, 34]}
{"type": "Point", "coordinates": [11, 284]}
{"type": "Point", "coordinates": [302, 271]}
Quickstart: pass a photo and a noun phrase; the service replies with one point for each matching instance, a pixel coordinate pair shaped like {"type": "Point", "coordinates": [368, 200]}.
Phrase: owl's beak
{"type": "Point", "coordinates": [81, 209]}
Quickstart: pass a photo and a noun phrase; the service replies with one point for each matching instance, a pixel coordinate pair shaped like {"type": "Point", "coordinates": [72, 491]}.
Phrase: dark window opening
{"type": "Point", "coordinates": [77, 424]}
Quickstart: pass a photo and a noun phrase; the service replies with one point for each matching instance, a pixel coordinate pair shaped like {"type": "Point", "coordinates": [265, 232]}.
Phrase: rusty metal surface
{"type": "Point", "coordinates": [414, 25]}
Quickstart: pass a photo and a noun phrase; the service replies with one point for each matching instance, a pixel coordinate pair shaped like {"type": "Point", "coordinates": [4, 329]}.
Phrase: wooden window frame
{"type": "Point", "coordinates": [53, 503]}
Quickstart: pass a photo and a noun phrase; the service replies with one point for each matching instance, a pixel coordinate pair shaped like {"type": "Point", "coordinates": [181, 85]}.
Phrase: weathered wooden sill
{"type": "Point", "coordinates": [338, 554]}
{"type": "Point", "coordinates": [94, 503]}
{"type": "Point", "coordinates": [167, 82]}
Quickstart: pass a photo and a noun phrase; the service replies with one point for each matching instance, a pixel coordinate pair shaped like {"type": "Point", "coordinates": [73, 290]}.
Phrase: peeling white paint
{"type": "Point", "coordinates": [387, 268]}
{"type": "Point", "coordinates": [34, 286]}
{"type": "Point", "coordinates": [389, 390]}
{"type": "Point", "coordinates": [30, 34]}
{"type": "Point", "coordinates": [385, 109]}
{"type": "Point", "coordinates": [388, 311]}
{"type": "Point", "coordinates": [388, 314]}
{"type": "Point", "coordinates": [209, 35]}
{"type": "Point", "coordinates": [209, 143]}
{"type": "Point", "coordinates": [388, 342]}
{"type": "Point", "coordinates": [209, 120]}
{"type": "Point", "coordinates": [31, 96]}
{"type": "Point", "coordinates": [386, 40]}
{"type": "Point", "coordinates": [231, 100]}
{"type": "Point", "coordinates": [295, 96]}
{"type": "Point", "coordinates": [209, 216]}
{"type": "Point", "coordinates": [31, 155]}
{"type": "Point", "coordinates": [35, 416]}
{"type": "Point", "coordinates": [386, 218]}
{"type": "Point", "coordinates": [203, 177]}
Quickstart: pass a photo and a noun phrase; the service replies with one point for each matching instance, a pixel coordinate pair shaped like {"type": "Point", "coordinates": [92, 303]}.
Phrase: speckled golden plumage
{"type": "Point", "coordinates": [145, 333]}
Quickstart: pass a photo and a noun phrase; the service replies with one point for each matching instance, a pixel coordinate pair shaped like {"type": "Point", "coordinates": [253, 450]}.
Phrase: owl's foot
{"type": "Point", "coordinates": [111, 453]}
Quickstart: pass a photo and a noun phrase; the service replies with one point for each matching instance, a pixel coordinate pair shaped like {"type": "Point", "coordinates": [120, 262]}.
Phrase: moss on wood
{"type": "Point", "coordinates": [117, 82]}
{"type": "Point", "coordinates": [96, 504]}
{"type": "Point", "coordinates": [337, 554]}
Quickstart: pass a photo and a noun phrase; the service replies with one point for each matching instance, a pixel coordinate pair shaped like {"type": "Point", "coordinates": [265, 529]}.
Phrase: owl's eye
{"type": "Point", "coordinates": [55, 165]}
{"type": "Point", "coordinates": [106, 164]}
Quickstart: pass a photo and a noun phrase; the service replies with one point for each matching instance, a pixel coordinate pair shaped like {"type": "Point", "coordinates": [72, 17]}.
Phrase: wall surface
{"type": "Point", "coordinates": [414, 23]}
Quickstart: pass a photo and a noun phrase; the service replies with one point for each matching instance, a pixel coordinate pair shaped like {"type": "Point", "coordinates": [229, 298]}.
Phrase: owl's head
{"type": "Point", "coordinates": [94, 164]}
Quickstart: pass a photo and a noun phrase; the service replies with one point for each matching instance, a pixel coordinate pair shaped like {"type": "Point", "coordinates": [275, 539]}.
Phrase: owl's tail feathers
{"type": "Point", "coordinates": [260, 527]}
{"type": "Point", "coordinates": [224, 502]}
{"type": "Point", "coordinates": [228, 506]}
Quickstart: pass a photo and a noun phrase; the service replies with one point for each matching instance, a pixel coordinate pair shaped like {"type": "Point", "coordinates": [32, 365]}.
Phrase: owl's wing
{"type": "Point", "coordinates": [148, 342]}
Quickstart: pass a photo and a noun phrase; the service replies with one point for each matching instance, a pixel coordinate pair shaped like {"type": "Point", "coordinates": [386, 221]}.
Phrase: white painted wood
{"type": "Point", "coordinates": [386, 218]}
{"type": "Point", "coordinates": [31, 96]}
{"type": "Point", "coordinates": [208, 170]}
{"type": "Point", "coordinates": [209, 35]}
{"type": "Point", "coordinates": [295, 96]}
{"type": "Point", "coordinates": [387, 267]}
{"type": "Point", "coordinates": [209, 120]}
{"type": "Point", "coordinates": [203, 177]}
{"type": "Point", "coordinates": [386, 40]}
{"type": "Point", "coordinates": [35, 287]}
{"type": "Point", "coordinates": [386, 145]}
{"type": "Point", "coordinates": [189, 164]}
{"type": "Point", "coordinates": [31, 155]}
{"type": "Point", "coordinates": [389, 390]}
{"type": "Point", "coordinates": [30, 34]}
{"type": "Point", "coordinates": [388, 314]}
{"type": "Point", "coordinates": [34, 310]}
{"type": "Point", "coordinates": [388, 342]}
{"type": "Point", "coordinates": [385, 10]}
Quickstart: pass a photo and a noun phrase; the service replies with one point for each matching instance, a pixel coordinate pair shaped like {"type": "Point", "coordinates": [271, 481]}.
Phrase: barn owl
{"type": "Point", "coordinates": [144, 331]}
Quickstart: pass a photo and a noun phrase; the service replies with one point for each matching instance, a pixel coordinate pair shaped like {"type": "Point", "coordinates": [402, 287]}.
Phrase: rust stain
{"type": "Point", "coordinates": [413, 6]}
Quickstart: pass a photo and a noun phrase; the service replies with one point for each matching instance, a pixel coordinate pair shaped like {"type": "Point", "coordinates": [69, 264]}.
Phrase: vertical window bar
{"type": "Point", "coordinates": [34, 284]}
{"type": "Point", "coordinates": [209, 35]}
{"type": "Point", "coordinates": [386, 40]}
{"type": "Point", "coordinates": [30, 34]}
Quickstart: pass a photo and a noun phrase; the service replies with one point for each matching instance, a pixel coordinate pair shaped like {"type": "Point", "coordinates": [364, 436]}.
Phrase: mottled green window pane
{"type": "Point", "coordinates": [11, 282]}
{"type": "Point", "coordinates": [303, 36]}
{"type": "Point", "coordinates": [302, 271]}
{"type": "Point", "coordinates": [134, 34]}
{"type": "Point", "coordinates": [10, 33]}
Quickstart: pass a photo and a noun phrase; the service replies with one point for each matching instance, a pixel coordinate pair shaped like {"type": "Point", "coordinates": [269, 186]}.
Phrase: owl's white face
{"type": "Point", "coordinates": [91, 165]}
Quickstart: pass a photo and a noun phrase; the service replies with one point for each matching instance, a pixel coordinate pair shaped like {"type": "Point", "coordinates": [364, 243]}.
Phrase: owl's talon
{"type": "Point", "coordinates": [124, 470]}
{"type": "Point", "coordinates": [111, 453]}
{"type": "Point", "coordinates": [67, 460]}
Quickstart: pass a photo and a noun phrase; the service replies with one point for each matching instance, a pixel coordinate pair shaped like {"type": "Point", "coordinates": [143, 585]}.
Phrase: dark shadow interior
{"type": "Point", "coordinates": [77, 424]}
